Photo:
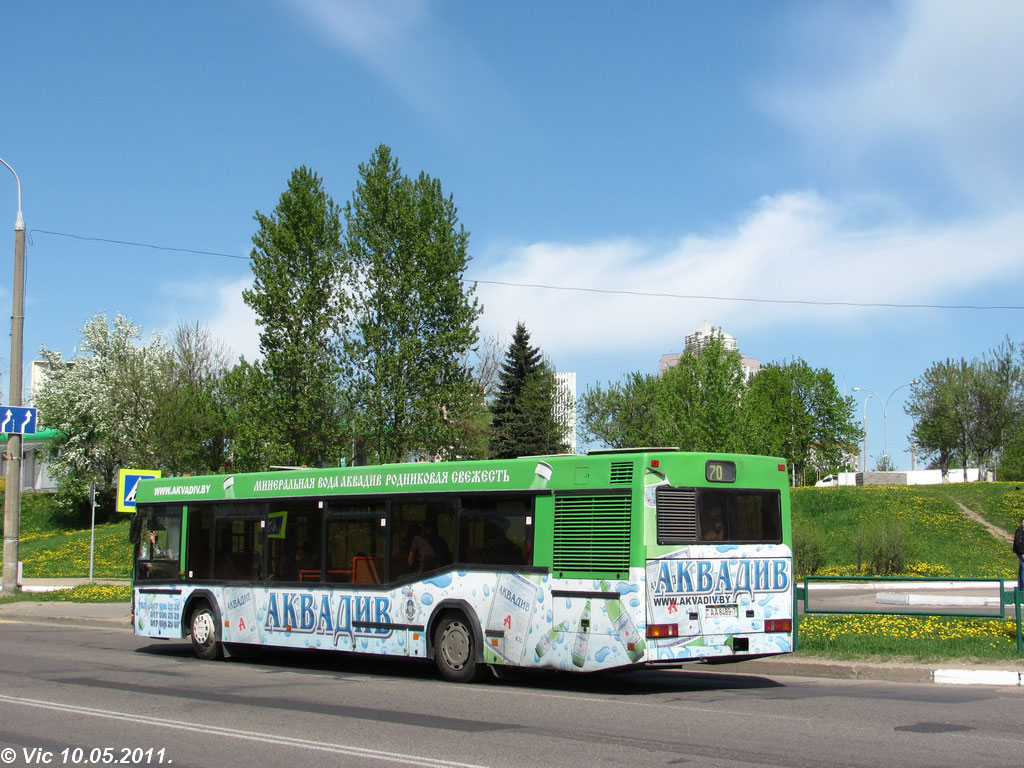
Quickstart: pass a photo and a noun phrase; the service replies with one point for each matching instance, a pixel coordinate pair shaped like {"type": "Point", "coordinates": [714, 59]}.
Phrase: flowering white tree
{"type": "Point", "coordinates": [103, 403]}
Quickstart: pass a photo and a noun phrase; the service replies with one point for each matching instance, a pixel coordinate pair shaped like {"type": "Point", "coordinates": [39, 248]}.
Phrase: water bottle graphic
{"type": "Point", "coordinates": [624, 627]}
{"type": "Point", "coordinates": [548, 639]}
{"type": "Point", "coordinates": [653, 479]}
{"type": "Point", "coordinates": [541, 475]}
{"type": "Point", "coordinates": [579, 648]}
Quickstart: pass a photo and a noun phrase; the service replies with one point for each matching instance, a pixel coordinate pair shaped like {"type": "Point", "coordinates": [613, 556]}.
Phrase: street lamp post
{"type": "Point", "coordinates": [885, 415]}
{"type": "Point", "coordinates": [864, 455]}
{"type": "Point", "coordinates": [12, 492]}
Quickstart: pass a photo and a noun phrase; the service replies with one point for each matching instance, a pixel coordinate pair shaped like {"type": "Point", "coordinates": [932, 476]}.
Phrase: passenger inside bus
{"type": "Point", "coordinates": [712, 527]}
{"type": "Point", "coordinates": [427, 550]}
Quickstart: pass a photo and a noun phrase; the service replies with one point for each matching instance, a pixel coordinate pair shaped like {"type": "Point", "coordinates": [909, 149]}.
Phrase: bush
{"type": "Point", "coordinates": [74, 509]}
{"type": "Point", "coordinates": [808, 551]}
{"type": "Point", "coordinates": [881, 550]}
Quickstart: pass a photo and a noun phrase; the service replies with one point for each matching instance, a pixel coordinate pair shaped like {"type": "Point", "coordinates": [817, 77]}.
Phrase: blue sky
{"type": "Point", "coordinates": [870, 153]}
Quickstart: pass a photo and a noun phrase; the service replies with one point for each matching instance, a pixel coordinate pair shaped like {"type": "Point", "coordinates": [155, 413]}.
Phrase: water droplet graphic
{"type": "Point", "coordinates": [442, 580]}
{"type": "Point", "coordinates": [427, 599]}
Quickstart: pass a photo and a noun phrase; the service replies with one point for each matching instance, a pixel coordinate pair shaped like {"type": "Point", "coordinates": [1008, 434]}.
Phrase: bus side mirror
{"type": "Point", "coordinates": [135, 529]}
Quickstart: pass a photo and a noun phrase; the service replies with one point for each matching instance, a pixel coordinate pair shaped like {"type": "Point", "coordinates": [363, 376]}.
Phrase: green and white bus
{"type": "Point", "coordinates": [619, 558]}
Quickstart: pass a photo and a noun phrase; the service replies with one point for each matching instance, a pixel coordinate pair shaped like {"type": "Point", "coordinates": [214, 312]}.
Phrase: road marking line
{"type": "Point", "coordinates": [319, 746]}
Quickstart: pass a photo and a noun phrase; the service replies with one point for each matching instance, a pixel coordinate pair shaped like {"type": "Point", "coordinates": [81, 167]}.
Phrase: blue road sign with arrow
{"type": "Point", "coordinates": [14, 418]}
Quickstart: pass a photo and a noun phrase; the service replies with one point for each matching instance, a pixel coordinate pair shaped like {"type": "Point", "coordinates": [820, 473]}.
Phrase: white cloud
{"type": "Point", "coordinates": [219, 307]}
{"type": "Point", "coordinates": [234, 322]}
{"type": "Point", "coordinates": [402, 43]}
{"type": "Point", "coordinates": [935, 76]}
{"type": "Point", "coordinates": [795, 246]}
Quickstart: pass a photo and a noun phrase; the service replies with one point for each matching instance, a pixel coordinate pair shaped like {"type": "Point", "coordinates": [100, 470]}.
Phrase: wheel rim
{"type": "Point", "coordinates": [202, 627]}
{"type": "Point", "coordinates": [455, 645]}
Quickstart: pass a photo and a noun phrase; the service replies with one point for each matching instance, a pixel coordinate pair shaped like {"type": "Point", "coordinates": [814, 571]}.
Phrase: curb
{"type": "Point", "coordinates": [978, 677]}
{"type": "Point", "coordinates": [852, 670]}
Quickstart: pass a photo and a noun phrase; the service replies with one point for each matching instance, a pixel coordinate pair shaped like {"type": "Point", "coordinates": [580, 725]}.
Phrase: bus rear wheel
{"type": "Point", "coordinates": [203, 626]}
{"type": "Point", "coordinates": [454, 650]}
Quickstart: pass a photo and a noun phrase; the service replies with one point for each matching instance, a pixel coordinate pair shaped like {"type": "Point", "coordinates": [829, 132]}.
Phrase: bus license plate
{"type": "Point", "coordinates": [717, 611]}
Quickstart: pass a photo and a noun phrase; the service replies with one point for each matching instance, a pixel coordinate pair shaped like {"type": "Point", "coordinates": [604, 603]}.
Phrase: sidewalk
{"type": "Point", "coordinates": [115, 616]}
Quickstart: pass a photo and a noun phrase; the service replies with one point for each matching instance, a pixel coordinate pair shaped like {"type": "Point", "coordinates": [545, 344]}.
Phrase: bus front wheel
{"type": "Point", "coordinates": [203, 627]}
{"type": "Point", "coordinates": [454, 650]}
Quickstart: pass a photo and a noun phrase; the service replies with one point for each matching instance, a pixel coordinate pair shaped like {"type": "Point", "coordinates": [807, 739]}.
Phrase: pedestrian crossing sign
{"type": "Point", "coordinates": [128, 484]}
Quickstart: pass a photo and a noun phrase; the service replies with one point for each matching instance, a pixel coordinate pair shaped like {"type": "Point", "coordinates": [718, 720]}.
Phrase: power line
{"type": "Point", "coordinates": [747, 299]}
{"type": "Point", "coordinates": [140, 245]}
{"type": "Point", "coordinates": [612, 291]}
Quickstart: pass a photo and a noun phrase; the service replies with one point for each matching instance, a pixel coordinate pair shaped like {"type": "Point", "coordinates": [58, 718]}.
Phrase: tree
{"type": "Point", "coordinates": [412, 320]}
{"type": "Point", "coordinates": [697, 405]}
{"type": "Point", "coordinates": [997, 401]}
{"type": "Point", "coordinates": [796, 412]}
{"type": "Point", "coordinates": [967, 411]}
{"type": "Point", "coordinates": [885, 464]}
{"type": "Point", "coordinates": [621, 415]}
{"type": "Point", "coordinates": [524, 418]}
{"type": "Point", "coordinates": [190, 424]}
{"type": "Point", "coordinates": [473, 430]}
{"type": "Point", "coordinates": [939, 406]}
{"type": "Point", "coordinates": [103, 403]}
{"type": "Point", "coordinates": [298, 267]}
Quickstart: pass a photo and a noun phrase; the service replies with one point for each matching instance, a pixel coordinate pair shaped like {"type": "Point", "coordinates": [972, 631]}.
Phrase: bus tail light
{"type": "Point", "coordinates": [778, 625]}
{"type": "Point", "coordinates": [663, 630]}
{"type": "Point", "coordinates": [782, 467]}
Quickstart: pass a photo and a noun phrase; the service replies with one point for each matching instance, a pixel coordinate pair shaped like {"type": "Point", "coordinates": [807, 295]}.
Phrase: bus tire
{"type": "Point", "coordinates": [203, 628]}
{"type": "Point", "coordinates": [454, 649]}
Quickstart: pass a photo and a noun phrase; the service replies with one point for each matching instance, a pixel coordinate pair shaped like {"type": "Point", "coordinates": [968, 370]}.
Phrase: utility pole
{"type": "Point", "coordinates": [12, 492]}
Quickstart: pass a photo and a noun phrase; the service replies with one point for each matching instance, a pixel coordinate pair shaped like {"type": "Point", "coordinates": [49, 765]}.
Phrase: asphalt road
{"type": "Point", "coordinates": [64, 689]}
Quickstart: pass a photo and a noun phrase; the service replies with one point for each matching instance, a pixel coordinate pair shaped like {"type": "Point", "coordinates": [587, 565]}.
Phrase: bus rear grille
{"type": "Point", "coordinates": [592, 533]}
{"type": "Point", "coordinates": [622, 473]}
{"type": "Point", "coordinates": [677, 515]}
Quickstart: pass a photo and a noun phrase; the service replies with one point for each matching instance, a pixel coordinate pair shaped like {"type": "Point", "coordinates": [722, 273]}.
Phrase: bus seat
{"type": "Point", "coordinates": [365, 570]}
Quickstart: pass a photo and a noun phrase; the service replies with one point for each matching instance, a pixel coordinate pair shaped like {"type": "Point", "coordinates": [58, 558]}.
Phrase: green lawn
{"type": "Point", "coordinates": [85, 593]}
{"type": "Point", "coordinates": [939, 539]}
{"type": "Point", "coordinates": [50, 551]}
{"type": "Point", "coordinates": [915, 638]}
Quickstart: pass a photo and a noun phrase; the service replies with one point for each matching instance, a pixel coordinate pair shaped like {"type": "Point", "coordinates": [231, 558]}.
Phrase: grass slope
{"type": "Point", "coordinates": [940, 540]}
{"type": "Point", "coordinates": [51, 551]}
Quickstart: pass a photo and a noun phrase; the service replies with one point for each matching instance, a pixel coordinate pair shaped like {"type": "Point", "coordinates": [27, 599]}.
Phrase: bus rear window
{"type": "Point", "coordinates": [694, 515]}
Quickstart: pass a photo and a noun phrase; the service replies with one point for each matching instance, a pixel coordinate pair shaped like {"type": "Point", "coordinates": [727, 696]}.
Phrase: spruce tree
{"type": "Point", "coordinates": [524, 421]}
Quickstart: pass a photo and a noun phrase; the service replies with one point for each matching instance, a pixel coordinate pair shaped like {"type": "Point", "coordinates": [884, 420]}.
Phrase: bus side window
{"type": "Point", "coordinates": [199, 551]}
{"type": "Point", "coordinates": [296, 542]}
{"type": "Point", "coordinates": [160, 543]}
{"type": "Point", "coordinates": [496, 531]}
{"type": "Point", "coordinates": [424, 534]}
{"type": "Point", "coordinates": [356, 543]}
